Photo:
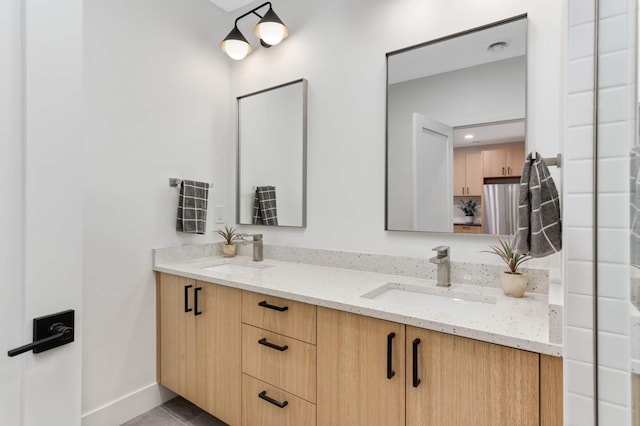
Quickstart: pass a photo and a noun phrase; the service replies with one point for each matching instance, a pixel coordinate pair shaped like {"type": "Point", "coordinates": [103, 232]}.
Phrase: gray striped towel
{"type": "Point", "coordinates": [264, 206]}
{"type": "Point", "coordinates": [539, 227]}
{"type": "Point", "coordinates": [192, 207]}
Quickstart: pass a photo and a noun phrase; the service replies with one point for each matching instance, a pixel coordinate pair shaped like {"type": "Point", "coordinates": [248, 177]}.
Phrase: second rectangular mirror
{"type": "Point", "coordinates": [272, 136]}
{"type": "Point", "coordinates": [456, 118]}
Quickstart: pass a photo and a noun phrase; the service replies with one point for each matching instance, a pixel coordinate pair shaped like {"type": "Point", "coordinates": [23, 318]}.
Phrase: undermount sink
{"type": "Point", "coordinates": [434, 299]}
{"type": "Point", "coordinates": [235, 268]}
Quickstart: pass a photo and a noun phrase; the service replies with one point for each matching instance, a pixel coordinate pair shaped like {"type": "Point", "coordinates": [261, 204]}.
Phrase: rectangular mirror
{"type": "Point", "coordinates": [272, 140]}
{"type": "Point", "coordinates": [456, 119]}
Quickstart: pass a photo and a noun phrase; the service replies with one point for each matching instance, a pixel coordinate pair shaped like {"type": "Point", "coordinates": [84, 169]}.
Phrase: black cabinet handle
{"type": "Point", "coordinates": [390, 372]}
{"type": "Point", "coordinates": [416, 380]}
{"type": "Point", "coordinates": [263, 395]}
{"type": "Point", "coordinates": [509, 171]}
{"type": "Point", "coordinates": [195, 302]}
{"type": "Point", "coordinates": [186, 298]}
{"type": "Point", "coordinates": [503, 173]}
{"type": "Point", "coordinates": [264, 342]}
{"type": "Point", "coordinates": [264, 304]}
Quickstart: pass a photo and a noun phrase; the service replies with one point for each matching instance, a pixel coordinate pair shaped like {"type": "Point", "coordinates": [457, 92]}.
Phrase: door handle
{"type": "Point", "coordinates": [390, 372]}
{"type": "Point", "coordinates": [49, 332]}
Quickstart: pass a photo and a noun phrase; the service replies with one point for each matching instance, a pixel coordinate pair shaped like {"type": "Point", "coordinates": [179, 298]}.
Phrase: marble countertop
{"type": "Point", "coordinates": [519, 323]}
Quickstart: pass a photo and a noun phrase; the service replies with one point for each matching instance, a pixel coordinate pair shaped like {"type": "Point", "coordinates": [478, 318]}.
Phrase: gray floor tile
{"type": "Point", "coordinates": [155, 417]}
{"type": "Point", "coordinates": [206, 419]}
{"type": "Point", "coordinates": [182, 409]}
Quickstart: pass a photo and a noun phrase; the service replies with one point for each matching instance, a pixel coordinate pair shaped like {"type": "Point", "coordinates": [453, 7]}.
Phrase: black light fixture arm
{"type": "Point", "coordinates": [252, 11]}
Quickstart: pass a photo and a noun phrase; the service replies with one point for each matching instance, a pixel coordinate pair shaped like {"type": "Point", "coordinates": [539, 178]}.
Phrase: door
{"type": "Point", "coordinates": [360, 370]}
{"type": "Point", "coordinates": [494, 163]}
{"type": "Point", "coordinates": [41, 207]}
{"type": "Point", "coordinates": [432, 175]}
{"type": "Point", "coordinates": [460, 381]}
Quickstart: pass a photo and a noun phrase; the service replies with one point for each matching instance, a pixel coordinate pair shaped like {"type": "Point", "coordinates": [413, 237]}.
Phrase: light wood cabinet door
{"type": "Point", "coordinates": [176, 335]}
{"type": "Point", "coordinates": [218, 346]}
{"type": "Point", "coordinates": [475, 178]}
{"type": "Point", "coordinates": [459, 174]}
{"type": "Point", "coordinates": [353, 388]}
{"type": "Point", "coordinates": [494, 163]}
{"type": "Point", "coordinates": [199, 344]}
{"type": "Point", "coordinates": [550, 391]}
{"type": "Point", "coordinates": [467, 174]}
{"type": "Point", "coordinates": [468, 382]}
{"type": "Point", "coordinates": [515, 161]}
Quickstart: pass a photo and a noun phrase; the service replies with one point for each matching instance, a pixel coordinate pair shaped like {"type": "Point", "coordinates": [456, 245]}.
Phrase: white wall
{"type": "Point", "coordinates": [340, 48]}
{"type": "Point", "coordinates": [156, 106]}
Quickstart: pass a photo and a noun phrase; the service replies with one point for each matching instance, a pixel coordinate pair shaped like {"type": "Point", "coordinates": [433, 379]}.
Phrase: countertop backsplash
{"type": "Point", "coordinates": [462, 273]}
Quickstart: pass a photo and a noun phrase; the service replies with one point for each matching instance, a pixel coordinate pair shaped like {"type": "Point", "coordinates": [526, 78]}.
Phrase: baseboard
{"type": "Point", "coordinates": [127, 407]}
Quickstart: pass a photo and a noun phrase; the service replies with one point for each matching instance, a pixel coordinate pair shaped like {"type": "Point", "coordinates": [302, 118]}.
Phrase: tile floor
{"type": "Point", "coordinates": [176, 412]}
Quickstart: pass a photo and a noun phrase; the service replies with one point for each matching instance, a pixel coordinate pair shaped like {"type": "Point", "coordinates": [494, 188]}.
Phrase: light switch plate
{"type": "Point", "coordinates": [219, 214]}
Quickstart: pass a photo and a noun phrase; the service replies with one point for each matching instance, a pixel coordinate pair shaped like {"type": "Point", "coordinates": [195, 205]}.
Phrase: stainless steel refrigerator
{"type": "Point", "coordinates": [500, 205]}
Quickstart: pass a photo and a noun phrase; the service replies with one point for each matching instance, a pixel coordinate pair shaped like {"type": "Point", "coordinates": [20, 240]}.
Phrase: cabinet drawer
{"type": "Point", "coordinates": [297, 321]}
{"type": "Point", "coordinates": [467, 229]}
{"type": "Point", "coordinates": [258, 411]}
{"type": "Point", "coordinates": [292, 369]}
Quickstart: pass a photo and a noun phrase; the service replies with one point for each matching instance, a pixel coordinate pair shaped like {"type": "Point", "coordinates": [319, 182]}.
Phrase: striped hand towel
{"type": "Point", "coordinates": [192, 207]}
{"type": "Point", "coordinates": [264, 206]}
{"type": "Point", "coordinates": [539, 227]}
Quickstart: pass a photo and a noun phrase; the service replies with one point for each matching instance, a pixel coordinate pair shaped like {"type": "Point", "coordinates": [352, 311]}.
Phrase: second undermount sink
{"type": "Point", "coordinates": [235, 268]}
{"type": "Point", "coordinates": [433, 299]}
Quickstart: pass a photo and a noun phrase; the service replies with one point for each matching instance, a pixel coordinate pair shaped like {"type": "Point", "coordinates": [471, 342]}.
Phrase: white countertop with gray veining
{"type": "Point", "coordinates": [519, 323]}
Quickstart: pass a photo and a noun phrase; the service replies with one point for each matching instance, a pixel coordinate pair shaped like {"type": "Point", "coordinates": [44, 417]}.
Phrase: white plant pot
{"type": "Point", "coordinates": [514, 285]}
{"type": "Point", "coordinates": [229, 250]}
{"type": "Point", "coordinates": [469, 219]}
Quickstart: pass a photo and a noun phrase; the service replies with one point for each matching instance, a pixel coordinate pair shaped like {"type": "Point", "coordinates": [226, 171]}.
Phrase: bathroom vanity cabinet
{"type": "Point", "coordinates": [308, 365]}
{"type": "Point", "coordinates": [199, 343]}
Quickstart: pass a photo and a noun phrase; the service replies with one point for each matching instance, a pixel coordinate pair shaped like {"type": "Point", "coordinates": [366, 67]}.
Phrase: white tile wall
{"type": "Point", "coordinates": [616, 113]}
{"type": "Point", "coordinates": [578, 218]}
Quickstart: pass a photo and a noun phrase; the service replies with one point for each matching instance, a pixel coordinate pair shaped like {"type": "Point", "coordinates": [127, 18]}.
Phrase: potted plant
{"type": "Point", "coordinates": [469, 207]}
{"type": "Point", "coordinates": [514, 283]}
{"type": "Point", "coordinates": [230, 235]}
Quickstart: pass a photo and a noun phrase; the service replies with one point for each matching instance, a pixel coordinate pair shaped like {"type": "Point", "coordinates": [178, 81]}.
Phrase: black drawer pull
{"type": "Point", "coordinates": [197, 290]}
{"type": "Point", "coordinates": [264, 304]}
{"type": "Point", "coordinates": [263, 395]}
{"type": "Point", "coordinates": [264, 342]}
{"type": "Point", "coordinates": [416, 380]}
{"type": "Point", "coordinates": [390, 372]}
{"type": "Point", "coordinates": [186, 298]}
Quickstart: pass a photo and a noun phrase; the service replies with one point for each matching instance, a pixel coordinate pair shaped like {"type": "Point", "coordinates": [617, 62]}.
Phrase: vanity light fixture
{"type": "Point", "coordinates": [270, 30]}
